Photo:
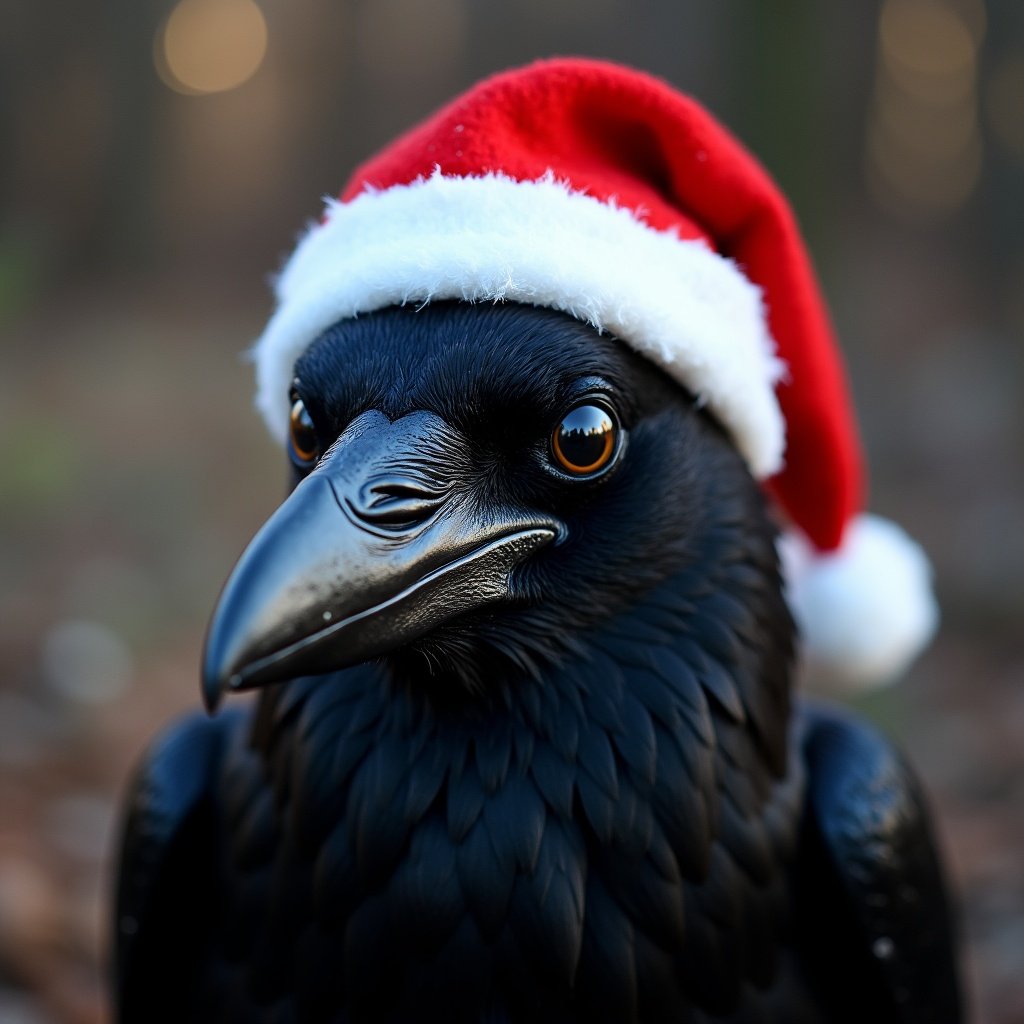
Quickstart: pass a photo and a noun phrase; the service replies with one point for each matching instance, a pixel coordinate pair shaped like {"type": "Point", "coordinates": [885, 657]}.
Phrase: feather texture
{"type": "Point", "coordinates": [584, 803]}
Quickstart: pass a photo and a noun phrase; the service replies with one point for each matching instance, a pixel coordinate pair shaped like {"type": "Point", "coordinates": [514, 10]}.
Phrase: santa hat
{"type": "Point", "coordinates": [600, 191]}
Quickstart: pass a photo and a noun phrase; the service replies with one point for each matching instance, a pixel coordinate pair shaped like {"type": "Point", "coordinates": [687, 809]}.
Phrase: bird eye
{"type": "Point", "coordinates": [585, 441]}
{"type": "Point", "coordinates": [305, 449]}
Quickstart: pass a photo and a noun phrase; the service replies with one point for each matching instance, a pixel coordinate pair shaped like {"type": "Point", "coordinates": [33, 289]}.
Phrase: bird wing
{"type": "Point", "coordinates": [168, 869]}
{"type": "Point", "coordinates": [880, 925]}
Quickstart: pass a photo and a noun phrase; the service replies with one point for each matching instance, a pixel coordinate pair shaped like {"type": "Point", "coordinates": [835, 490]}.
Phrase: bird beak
{"type": "Point", "coordinates": [376, 547]}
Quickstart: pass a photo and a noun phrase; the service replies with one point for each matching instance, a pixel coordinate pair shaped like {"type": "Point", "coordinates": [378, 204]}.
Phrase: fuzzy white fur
{"type": "Point", "coordinates": [491, 238]}
{"type": "Point", "coordinates": [864, 612]}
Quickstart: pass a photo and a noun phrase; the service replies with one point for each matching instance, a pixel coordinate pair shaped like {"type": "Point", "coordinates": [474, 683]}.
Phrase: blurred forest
{"type": "Point", "coordinates": [159, 157]}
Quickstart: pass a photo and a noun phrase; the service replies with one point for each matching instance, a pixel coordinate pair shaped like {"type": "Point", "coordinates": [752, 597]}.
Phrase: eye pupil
{"type": "Point", "coordinates": [584, 441]}
{"type": "Point", "coordinates": [305, 448]}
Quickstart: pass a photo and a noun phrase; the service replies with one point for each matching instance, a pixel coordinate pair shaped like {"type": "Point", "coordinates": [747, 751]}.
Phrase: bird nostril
{"type": "Point", "coordinates": [392, 490]}
{"type": "Point", "coordinates": [394, 501]}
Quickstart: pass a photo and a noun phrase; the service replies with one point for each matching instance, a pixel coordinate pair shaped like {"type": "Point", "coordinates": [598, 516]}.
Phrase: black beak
{"type": "Point", "coordinates": [379, 545]}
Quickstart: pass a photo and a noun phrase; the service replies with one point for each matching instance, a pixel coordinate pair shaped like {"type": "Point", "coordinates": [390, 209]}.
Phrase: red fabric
{"type": "Point", "coordinates": [623, 136]}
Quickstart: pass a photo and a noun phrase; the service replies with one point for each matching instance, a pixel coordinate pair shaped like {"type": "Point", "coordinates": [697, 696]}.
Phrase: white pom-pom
{"type": "Point", "coordinates": [864, 611]}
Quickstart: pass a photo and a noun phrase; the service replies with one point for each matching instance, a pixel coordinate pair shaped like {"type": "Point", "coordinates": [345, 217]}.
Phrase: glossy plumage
{"type": "Point", "coordinates": [589, 801]}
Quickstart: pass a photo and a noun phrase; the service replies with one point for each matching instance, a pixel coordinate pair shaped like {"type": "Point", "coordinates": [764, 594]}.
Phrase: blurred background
{"type": "Point", "coordinates": [159, 158]}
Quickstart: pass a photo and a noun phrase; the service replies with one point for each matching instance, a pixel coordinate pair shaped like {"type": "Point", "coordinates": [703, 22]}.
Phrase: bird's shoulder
{"type": "Point", "coordinates": [168, 848]}
{"type": "Point", "coordinates": [877, 907]}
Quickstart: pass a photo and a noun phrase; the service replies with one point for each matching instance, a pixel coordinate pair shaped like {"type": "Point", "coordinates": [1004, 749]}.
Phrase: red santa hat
{"type": "Point", "coordinates": [602, 192]}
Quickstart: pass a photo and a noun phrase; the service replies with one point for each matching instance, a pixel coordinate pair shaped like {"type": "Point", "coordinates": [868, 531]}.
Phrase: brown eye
{"type": "Point", "coordinates": [304, 447]}
{"type": "Point", "coordinates": [585, 441]}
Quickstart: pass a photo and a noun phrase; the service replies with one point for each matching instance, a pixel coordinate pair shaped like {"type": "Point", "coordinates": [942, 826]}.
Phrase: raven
{"type": "Point", "coordinates": [561, 779]}
{"type": "Point", "coordinates": [553, 375]}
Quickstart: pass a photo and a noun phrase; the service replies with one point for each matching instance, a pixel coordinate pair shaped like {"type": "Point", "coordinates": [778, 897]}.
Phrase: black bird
{"type": "Point", "coordinates": [525, 747]}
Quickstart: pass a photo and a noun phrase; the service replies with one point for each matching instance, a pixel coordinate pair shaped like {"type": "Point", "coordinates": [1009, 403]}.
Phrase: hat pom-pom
{"type": "Point", "coordinates": [864, 611]}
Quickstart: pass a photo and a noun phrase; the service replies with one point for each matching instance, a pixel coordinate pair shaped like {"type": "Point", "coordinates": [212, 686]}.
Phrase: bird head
{"type": "Point", "coordinates": [475, 486]}
{"type": "Point", "coordinates": [553, 302]}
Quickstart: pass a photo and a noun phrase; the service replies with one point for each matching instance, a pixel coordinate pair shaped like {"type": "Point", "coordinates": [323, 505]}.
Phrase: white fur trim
{"type": "Point", "coordinates": [491, 238]}
{"type": "Point", "coordinates": [865, 611]}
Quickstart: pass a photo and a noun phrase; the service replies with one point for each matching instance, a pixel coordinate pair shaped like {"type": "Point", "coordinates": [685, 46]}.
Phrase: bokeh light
{"type": "Point", "coordinates": [924, 40]}
{"type": "Point", "coordinates": [209, 46]}
{"type": "Point", "coordinates": [924, 149]}
{"type": "Point", "coordinates": [910, 185]}
{"type": "Point", "coordinates": [928, 131]}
